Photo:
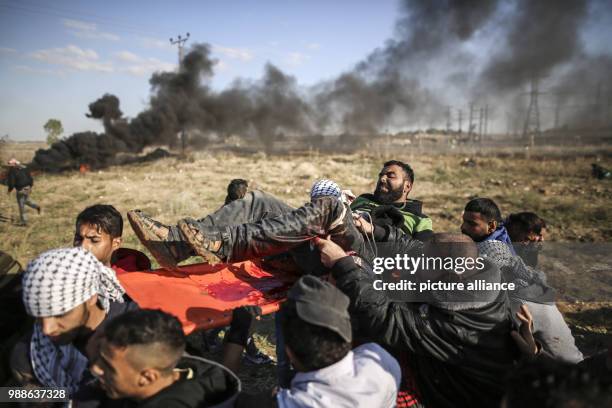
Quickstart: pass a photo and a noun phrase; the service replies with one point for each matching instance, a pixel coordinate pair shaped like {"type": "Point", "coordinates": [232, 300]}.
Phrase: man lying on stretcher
{"type": "Point", "coordinates": [260, 225]}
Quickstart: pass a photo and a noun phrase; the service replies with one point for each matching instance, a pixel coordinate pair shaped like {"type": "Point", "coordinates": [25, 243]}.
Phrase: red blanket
{"type": "Point", "coordinates": [203, 296]}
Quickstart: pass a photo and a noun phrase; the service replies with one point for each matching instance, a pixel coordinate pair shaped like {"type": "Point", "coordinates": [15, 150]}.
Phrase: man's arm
{"type": "Point", "coordinates": [377, 317]}
{"type": "Point", "coordinates": [10, 180]}
{"type": "Point", "coordinates": [236, 338]}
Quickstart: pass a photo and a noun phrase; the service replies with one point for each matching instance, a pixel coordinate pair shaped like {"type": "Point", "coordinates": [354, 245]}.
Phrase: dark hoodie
{"type": "Point", "coordinates": [455, 349]}
{"type": "Point", "coordinates": [408, 216]}
{"type": "Point", "coordinates": [203, 383]}
{"type": "Point", "coordinates": [18, 178]}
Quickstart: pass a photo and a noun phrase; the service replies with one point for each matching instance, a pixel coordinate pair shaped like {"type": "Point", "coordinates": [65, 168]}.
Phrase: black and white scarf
{"type": "Point", "coordinates": [54, 283]}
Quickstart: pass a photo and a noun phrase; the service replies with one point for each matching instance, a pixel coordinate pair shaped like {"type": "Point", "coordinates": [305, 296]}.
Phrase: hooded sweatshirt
{"type": "Point", "coordinates": [203, 383]}
{"type": "Point", "coordinates": [368, 376]}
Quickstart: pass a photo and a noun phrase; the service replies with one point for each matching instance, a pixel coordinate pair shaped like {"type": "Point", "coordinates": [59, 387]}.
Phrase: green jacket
{"type": "Point", "coordinates": [415, 222]}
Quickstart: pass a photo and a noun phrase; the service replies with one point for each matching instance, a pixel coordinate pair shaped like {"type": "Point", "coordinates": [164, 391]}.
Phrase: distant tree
{"type": "Point", "coordinates": [54, 129]}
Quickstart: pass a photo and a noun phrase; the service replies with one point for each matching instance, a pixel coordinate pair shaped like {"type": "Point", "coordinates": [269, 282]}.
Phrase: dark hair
{"type": "Point", "coordinates": [315, 347]}
{"type": "Point", "coordinates": [486, 207]}
{"type": "Point", "coordinates": [236, 189]}
{"type": "Point", "coordinates": [145, 327]}
{"type": "Point", "coordinates": [555, 384]}
{"type": "Point", "coordinates": [523, 223]}
{"type": "Point", "coordinates": [405, 166]}
{"type": "Point", "coordinates": [104, 216]}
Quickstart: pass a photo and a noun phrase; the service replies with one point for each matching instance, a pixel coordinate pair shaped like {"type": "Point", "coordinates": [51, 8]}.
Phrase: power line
{"type": "Point", "coordinates": [70, 14]}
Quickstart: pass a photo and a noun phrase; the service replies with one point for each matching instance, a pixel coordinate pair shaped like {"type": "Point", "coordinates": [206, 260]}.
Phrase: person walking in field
{"type": "Point", "coordinates": [19, 178]}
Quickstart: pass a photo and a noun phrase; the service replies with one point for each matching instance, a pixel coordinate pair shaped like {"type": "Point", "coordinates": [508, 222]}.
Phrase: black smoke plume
{"type": "Point", "coordinates": [436, 58]}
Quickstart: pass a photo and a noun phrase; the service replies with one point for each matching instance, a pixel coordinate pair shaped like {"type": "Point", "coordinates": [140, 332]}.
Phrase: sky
{"type": "Point", "coordinates": [57, 57]}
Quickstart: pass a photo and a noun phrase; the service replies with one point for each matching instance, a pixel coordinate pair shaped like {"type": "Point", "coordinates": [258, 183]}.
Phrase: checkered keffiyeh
{"type": "Point", "coordinates": [53, 284]}
{"type": "Point", "coordinates": [61, 279]}
{"type": "Point", "coordinates": [325, 188]}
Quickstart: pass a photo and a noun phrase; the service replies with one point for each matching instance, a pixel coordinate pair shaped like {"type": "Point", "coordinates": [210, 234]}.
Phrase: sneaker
{"type": "Point", "coordinates": [202, 245]}
{"type": "Point", "coordinates": [153, 235]}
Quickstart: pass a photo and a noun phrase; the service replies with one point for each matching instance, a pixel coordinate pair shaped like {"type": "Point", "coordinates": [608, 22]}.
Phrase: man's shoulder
{"type": "Point", "coordinates": [118, 308]}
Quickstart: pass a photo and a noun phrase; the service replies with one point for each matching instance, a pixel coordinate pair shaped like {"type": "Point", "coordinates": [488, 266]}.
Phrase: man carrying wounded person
{"type": "Point", "coordinates": [330, 373]}
{"type": "Point", "coordinates": [453, 348]}
{"type": "Point", "coordinates": [527, 232]}
{"type": "Point", "coordinates": [99, 229]}
{"type": "Point", "coordinates": [532, 290]}
{"type": "Point", "coordinates": [480, 222]}
{"type": "Point", "coordinates": [209, 236]}
{"type": "Point", "coordinates": [141, 363]}
{"type": "Point", "coordinates": [72, 296]}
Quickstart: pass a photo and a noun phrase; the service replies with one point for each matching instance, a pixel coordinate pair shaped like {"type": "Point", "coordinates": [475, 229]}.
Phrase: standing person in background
{"type": "Point", "coordinates": [19, 178]}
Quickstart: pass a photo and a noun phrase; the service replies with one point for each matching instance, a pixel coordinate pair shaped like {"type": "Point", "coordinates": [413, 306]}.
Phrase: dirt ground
{"type": "Point", "coordinates": [558, 187]}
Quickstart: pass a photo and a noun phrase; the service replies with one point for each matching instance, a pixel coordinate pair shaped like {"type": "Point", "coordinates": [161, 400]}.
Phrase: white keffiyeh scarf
{"type": "Point", "coordinates": [54, 283]}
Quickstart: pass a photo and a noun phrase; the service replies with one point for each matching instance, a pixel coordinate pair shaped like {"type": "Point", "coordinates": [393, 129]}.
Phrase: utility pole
{"type": "Point", "coordinates": [557, 112]}
{"type": "Point", "coordinates": [480, 123]}
{"type": "Point", "coordinates": [180, 43]}
{"type": "Point", "coordinates": [471, 119]}
{"type": "Point", "coordinates": [599, 108]}
{"type": "Point", "coordinates": [486, 129]}
{"type": "Point", "coordinates": [460, 120]}
{"type": "Point", "coordinates": [532, 120]}
{"type": "Point", "coordinates": [508, 123]}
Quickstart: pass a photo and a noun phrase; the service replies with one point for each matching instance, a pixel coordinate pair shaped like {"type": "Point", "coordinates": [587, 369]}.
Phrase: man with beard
{"type": "Point", "coordinates": [390, 205]}
{"type": "Point", "coordinates": [72, 296]}
{"type": "Point", "coordinates": [222, 235]}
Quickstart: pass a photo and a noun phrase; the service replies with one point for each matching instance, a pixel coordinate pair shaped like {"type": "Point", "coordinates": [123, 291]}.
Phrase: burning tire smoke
{"type": "Point", "coordinates": [443, 53]}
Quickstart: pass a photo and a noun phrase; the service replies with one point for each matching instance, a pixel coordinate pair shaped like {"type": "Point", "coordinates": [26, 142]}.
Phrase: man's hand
{"type": "Point", "coordinates": [242, 322]}
{"type": "Point", "coordinates": [350, 196]}
{"type": "Point", "coordinates": [524, 337]}
{"type": "Point", "coordinates": [330, 251]}
{"type": "Point", "coordinates": [362, 225]}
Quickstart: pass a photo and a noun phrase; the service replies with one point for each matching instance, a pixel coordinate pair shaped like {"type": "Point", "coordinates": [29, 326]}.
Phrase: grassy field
{"type": "Point", "coordinates": [557, 187]}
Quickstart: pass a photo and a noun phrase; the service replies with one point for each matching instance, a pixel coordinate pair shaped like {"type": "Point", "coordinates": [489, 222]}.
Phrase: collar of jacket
{"type": "Point", "coordinates": [203, 383]}
{"type": "Point", "coordinates": [412, 206]}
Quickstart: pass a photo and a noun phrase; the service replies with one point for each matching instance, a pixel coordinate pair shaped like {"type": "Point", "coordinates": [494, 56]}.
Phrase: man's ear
{"type": "Point", "coordinates": [148, 376]}
{"type": "Point", "coordinates": [116, 243]}
{"type": "Point", "coordinates": [491, 226]}
{"type": "Point", "coordinates": [407, 186]}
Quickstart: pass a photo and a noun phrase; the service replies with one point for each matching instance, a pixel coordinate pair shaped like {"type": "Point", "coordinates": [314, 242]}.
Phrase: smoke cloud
{"type": "Point", "coordinates": [444, 53]}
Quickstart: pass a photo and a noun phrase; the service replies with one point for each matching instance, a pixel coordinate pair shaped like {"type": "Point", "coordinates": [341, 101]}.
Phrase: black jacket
{"type": "Point", "coordinates": [406, 218]}
{"type": "Point", "coordinates": [18, 178]}
{"type": "Point", "coordinates": [458, 357]}
{"type": "Point", "coordinates": [203, 383]}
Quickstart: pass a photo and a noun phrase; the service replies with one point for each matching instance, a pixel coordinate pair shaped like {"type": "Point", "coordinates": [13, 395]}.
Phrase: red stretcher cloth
{"type": "Point", "coordinates": [202, 296]}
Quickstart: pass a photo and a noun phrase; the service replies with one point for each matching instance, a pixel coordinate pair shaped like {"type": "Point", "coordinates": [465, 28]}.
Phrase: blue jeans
{"type": "Point", "coordinates": [23, 199]}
